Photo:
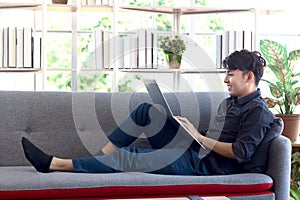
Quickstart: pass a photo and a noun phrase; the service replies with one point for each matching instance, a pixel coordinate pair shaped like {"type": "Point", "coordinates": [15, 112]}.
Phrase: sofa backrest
{"type": "Point", "coordinates": [75, 124]}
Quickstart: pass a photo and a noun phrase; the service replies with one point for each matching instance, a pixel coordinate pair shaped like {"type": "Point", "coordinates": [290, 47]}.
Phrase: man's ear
{"type": "Point", "coordinates": [250, 76]}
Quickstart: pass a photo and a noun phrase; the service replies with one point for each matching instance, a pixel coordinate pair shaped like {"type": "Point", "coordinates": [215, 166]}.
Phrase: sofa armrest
{"type": "Point", "coordinates": [279, 166]}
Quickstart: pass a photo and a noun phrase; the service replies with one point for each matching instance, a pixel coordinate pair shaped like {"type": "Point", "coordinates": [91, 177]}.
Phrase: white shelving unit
{"type": "Point", "coordinates": [74, 9]}
{"type": "Point", "coordinates": [177, 12]}
{"type": "Point", "coordinates": [34, 7]}
{"type": "Point", "coordinates": [46, 10]}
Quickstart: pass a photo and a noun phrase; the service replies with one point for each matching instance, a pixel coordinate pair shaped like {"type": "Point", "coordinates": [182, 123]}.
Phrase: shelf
{"type": "Point", "coordinates": [178, 11]}
{"type": "Point", "coordinates": [181, 71]}
{"type": "Point", "coordinates": [196, 10]}
{"type": "Point", "coordinates": [20, 69]}
{"type": "Point", "coordinates": [187, 10]}
{"type": "Point", "coordinates": [57, 7]}
{"type": "Point", "coordinates": [61, 8]}
{"type": "Point", "coordinates": [74, 8]}
{"type": "Point", "coordinates": [96, 9]}
{"type": "Point", "coordinates": [20, 5]}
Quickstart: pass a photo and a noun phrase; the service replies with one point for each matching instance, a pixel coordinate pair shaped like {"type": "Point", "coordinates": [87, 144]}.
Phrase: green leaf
{"type": "Point", "coordinates": [274, 89]}
{"type": "Point", "coordinates": [169, 57]}
{"type": "Point", "coordinates": [294, 57]}
{"type": "Point", "coordinates": [274, 52]}
{"type": "Point", "coordinates": [295, 193]}
{"type": "Point", "coordinates": [179, 58]}
{"type": "Point", "coordinates": [276, 56]}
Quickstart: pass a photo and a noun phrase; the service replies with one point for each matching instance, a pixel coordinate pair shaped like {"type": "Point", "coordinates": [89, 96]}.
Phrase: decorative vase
{"type": "Point", "coordinates": [173, 60]}
{"type": "Point", "coordinates": [59, 1]}
{"type": "Point", "coordinates": [291, 126]}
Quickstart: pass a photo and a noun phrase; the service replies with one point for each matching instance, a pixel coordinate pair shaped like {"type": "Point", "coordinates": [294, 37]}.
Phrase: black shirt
{"type": "Point", "coordinates": [242, 122]}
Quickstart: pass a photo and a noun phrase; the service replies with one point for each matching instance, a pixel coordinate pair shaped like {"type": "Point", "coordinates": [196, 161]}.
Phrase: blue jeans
{"type": "Point", "coordinates": [172, 151]}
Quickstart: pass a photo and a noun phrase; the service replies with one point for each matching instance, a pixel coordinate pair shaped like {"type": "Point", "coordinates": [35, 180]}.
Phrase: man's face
{"type": "Point", "coordinates": [237, 83]}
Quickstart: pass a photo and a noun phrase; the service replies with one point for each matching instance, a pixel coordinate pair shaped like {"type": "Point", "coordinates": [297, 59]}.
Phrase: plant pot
{"type": "Point", "coordinates": [291, 126]}
{"type": "Point", "coordinates": [59, 1]}
{"type": "Point", "coordinates": [173, 60]}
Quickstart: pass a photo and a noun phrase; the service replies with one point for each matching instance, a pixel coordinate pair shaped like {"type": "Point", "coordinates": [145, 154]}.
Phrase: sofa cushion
{"type": "Point", "coordinates": [24, 181]}
{"type": "Point", "coordinates": [260, 158]}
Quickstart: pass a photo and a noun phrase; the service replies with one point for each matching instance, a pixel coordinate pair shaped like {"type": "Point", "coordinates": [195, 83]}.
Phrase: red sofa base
{"type": "Point", "coordinates": [140, 191]}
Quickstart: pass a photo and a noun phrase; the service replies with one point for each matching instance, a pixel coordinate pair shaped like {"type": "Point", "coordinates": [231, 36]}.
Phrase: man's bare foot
{"type": "Point", "coordinates": [63, 165]}
{"type": "Point", "coordinates": [109, 148]}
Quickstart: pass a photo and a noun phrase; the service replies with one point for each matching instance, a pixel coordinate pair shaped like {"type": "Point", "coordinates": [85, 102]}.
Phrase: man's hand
{"type": "Point", "coordinates": [222, 148]}
{"type": "Point", "coordinates": [190, 127]}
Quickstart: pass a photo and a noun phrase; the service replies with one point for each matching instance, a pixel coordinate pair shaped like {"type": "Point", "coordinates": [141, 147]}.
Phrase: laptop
{"type": "Point", "coordinates": [158, 98]}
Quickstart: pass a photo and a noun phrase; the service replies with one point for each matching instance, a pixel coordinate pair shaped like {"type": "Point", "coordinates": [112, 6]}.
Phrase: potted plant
{"type": "Point", "coordinates": [295, 176]}
{"type": "Point", "coordinates": [173, 48]}
{"type": "Point", "coordinates": [286, 87]}
{"type": "Point", "coordinates": [59, 1]}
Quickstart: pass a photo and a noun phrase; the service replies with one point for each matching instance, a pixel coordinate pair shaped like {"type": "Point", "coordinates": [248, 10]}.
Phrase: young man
{"type": "Point", "coordinates": [244, 115]}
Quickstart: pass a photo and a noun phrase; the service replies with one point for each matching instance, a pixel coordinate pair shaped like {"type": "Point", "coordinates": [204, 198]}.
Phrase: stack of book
{"type": "Point", "coordinates": [230, 41]}
{"type": "Point", "coordinates": [129, 50]}
{"type": "Point", "coordinates": [97, 2]}
{"type": "Point", "coordinates": [19, 48]}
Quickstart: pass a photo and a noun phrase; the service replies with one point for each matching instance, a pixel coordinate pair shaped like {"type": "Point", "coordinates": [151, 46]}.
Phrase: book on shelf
{"type": "Point", "coordinates": [109, 51]}
{"type": "Point", "coordinates": [231, 41]}
{"type": "Point", "coordinates": [149, 47]}
{"type": "Point", "coordinates": [248, 40]}
{"type": "Point", "coordinates": [1, 47]}
{"type": "Point", "coordinates": [225, 45]}
{"type": "Point", "coordinates": [91, 2]}
{"type": "Point", "coordinates": [119, 52]}
{"type": "Point", "coordinates": [97, 2]}
{"type": "Point", "coordinates": [12, 46]}
{"type": "Point", "coordinates": [98, 41]}
{"type": "Point", "coordinates": [106, 2]}
{"type": "Point", "coordinates": [239, 40]}
{"type": "Point", "coordinates": [83, 2]}
{"type": "Point", "coordinates": [142, 53]}
{"type": "Point", "coordinates": [133, 44]}
{"type": "Point", "coordinates": [37, 52]}
{"type": "Point", "coordinates": [154, 51]}
{"type": "Point", "coordinates": [5, 47]}
{"type": "Point", "coordinates": [130, 51]}
{"type": "Point", "coordinates": [219, 38]}
{"type": "Point", "coordinates": [20, 48]}
{"type": "Point", "coordinates": [106, 36]}
{"type": "Point", "coordinates": [28, 47]}
{"type": "Point", "coordinates": [112, 52]}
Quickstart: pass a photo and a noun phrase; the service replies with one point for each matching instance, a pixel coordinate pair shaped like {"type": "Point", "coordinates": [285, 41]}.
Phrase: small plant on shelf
{"type": "Point", "coordinates": [173, 48]}
{"type": "Point", "coordinates": [59, 1]}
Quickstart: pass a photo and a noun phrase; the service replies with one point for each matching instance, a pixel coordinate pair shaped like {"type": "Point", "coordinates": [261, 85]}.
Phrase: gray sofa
{"type": "Point", "coordinates": [70, 125]}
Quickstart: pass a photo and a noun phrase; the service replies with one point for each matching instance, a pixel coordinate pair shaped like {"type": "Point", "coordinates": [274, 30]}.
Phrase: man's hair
{"type": "Point", "coordinates": [246, 61]}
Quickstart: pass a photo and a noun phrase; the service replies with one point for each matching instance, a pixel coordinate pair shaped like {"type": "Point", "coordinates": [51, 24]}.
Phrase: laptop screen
{"type": "Point", "coordinates": [157, 96]}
